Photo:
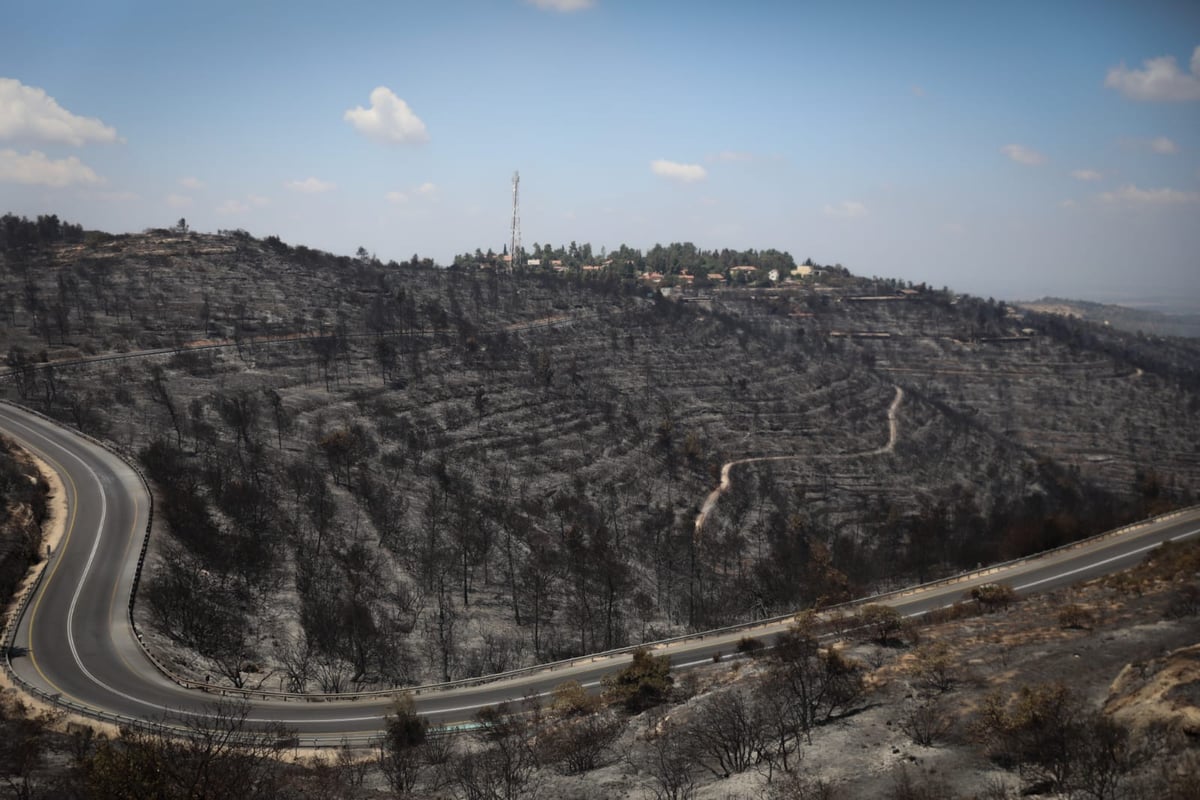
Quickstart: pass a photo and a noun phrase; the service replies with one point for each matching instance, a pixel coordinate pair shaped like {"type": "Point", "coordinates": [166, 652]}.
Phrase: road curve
{"type": "Point", "coordinates": [74, 642]}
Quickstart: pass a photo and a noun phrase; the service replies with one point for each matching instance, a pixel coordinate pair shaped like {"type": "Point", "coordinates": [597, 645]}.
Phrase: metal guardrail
{"type": "Point", "coordinates": [742, 627]}
{"type": "Point", "coordinates": [12, 622]}
{"type": "Point", "coordinates": [380, 694]}
{"type": "Point", "coordinates": [21, 607]}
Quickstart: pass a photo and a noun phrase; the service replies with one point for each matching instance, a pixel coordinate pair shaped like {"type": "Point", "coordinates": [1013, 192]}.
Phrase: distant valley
{"type": "Point", "coordinates": [1153, 317]}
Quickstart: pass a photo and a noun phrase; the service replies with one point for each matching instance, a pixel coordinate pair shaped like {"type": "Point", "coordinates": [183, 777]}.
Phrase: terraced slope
{"type": "Point", "coordinates": [401, 473]}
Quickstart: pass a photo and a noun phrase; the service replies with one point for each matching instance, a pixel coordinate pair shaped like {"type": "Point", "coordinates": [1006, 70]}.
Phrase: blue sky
{"type": "Point", "coordinates": [1005, 149]}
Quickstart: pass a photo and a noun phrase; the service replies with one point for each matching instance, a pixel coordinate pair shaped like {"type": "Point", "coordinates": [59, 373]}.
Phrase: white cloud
{"type": "Point", "coordinates": [388, 120]}
{"type": "Point", "coordinates": [426, 189]}
{"type": "Point", "coordinates": [178, 201]}
{"type": "Point", "coordinates": [191, 183]}
{"type": "Point", "coordinates": [847, 209]}
{"type": "Point", "coordinates": [35, 169]}
{"type": "Point", "coordinates": [563, 6]}
{"type": "Point", "coordinates": [1159, 144]}
{"type": "Point", "coordinates": [732, 155]}
{"type": "Point", "coordinates": [1159, 80]}
{"type": "Point", "coordinates": [1022, 155]}
{"type": "Point", "coordinates": [1086, 175]}
{"type": "Point", "coordinates": [242, 206]}
{"type": "Point", "coordinates": [1068, 203]}
{"type": "Point", "coordinates": [310, 186]}
{"type": "Point", "coordinates": [684, 173]}
{"type": "Point", "coordinates": [30, 113]}
{"type": "Point", "coordinates": [113, 197]}
{"type": "Point", "coordinates": [1163, 146]}
{"type": "Point", "coordinates": [1132, 195]}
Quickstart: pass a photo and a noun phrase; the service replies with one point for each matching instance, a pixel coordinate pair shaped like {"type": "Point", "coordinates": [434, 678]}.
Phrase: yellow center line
{"type": "Point", "coordinates": [37, 603]}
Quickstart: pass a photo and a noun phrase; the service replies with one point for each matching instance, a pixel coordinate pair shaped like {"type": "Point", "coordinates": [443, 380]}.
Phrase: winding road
{"type": "Point", "coordinates": [73, 642]}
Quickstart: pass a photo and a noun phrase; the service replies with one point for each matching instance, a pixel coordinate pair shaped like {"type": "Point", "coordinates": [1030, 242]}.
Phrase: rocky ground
{"type": "Point", "coordinates": [1129, 629]}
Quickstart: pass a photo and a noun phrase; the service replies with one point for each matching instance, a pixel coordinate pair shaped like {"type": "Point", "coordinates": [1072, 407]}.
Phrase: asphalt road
{"type": "Point", "coordinates": [75, 642]}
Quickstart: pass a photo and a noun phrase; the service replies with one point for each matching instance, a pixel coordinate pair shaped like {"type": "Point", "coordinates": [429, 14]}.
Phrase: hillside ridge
{"type": "Point", "coordinates": [398, 473]}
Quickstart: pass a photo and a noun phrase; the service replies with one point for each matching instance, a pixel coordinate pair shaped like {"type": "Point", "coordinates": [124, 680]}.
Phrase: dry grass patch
{"type": "Point", "coordinates": [1159, 692]}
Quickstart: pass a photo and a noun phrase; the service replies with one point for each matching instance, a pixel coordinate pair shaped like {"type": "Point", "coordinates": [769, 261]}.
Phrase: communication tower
{"type": "Point", "coordinates": [514, 249]}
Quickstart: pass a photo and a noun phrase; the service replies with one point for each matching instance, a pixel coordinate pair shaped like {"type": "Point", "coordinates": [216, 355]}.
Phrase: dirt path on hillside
{"type": "Point", "coordinates": [893, 426]}
{"type": "Point", "coordinates": [710, 502]}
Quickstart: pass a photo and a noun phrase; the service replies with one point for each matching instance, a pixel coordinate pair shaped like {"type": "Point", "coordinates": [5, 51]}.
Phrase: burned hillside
{"type": "Point", "coordinates": [377, 474]}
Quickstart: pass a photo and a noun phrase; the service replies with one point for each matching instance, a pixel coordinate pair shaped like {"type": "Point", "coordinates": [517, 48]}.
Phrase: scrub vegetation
{"type": "Point", "coordinates": [970, 704]}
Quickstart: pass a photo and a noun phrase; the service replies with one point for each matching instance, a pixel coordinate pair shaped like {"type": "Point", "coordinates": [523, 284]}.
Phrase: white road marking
{"type": "Point", "coordinates": [1102, 562]}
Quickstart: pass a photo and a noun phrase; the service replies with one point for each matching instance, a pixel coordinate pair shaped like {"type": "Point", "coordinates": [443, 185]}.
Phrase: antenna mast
{"type": "Point", "coordinates": [515, 246]}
